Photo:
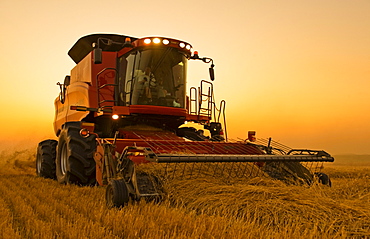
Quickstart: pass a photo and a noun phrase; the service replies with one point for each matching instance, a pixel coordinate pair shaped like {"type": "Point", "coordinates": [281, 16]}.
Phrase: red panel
{"type": "Point", "coordinates": [189, 147]}
{"type": "Point", "coordinates": [157, 110]}
{"type": "Point", "coordinates": [121, 110]}
{"type": "Point", "coordinates": [190, 117]}
{"type": "Point", "coordinates": [163, 142]}
{"type": "Point", "coordinates": [109, 61]}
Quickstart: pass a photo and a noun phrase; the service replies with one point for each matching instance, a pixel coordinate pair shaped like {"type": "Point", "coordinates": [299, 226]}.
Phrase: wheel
{"type": "Point", "coordinates": [323, 178]}
{"type": "Point", "coordinates": [300, 171]}
{"type": "Point", "coordinates": [116, 194]}
{"type": "Point", "coordinates": [289, 172]}
{"type": "Point", "coordinates": [45, 159]}
{"type": "Point", "coordinates": [74, 162]}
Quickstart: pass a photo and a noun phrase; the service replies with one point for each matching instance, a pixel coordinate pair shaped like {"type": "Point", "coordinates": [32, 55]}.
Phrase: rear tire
{"type": "Point", "coordinates": [45, 159]}
{"type": "Point", "coordinates": [116, 194]}
{"type": "Point", "coordinates": [75, 163]}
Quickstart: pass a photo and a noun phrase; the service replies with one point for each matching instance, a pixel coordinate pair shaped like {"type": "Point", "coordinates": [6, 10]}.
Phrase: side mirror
{"type": "Point", "coordinates": [98, 55]}
{"type": "Point", "coordinates": [67, 81]}
{"type": "Point", "coordinates": [212, 73]}
{"type": "Point", "coordinates": [62, 94]}
{"type": "Point", "coordinates": [205, 60]}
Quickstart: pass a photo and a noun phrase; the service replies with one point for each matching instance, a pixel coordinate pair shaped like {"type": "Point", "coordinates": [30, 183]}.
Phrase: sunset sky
{"type": "Point", "coordinates": [296, 71]}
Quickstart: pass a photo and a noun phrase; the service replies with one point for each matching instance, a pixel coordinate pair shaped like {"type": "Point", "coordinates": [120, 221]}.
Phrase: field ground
{"type": "Point", "coordinates": [33, 207]}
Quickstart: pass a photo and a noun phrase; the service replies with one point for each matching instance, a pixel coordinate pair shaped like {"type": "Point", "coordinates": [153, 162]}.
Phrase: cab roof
{"type": "Point", "coordinates": [84, 45]}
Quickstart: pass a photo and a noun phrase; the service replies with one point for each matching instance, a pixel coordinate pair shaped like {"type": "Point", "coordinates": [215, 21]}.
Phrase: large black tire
{"type": "Point", "coordinates": [75, 162]}
{"type": "Point", "coordinates": [45, 159]}
{"type": "Point", "coordinates": [116, 194]}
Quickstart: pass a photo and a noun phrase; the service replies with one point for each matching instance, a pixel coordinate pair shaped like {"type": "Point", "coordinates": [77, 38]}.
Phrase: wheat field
{"type": "Point", "coordinates": [33, 207]}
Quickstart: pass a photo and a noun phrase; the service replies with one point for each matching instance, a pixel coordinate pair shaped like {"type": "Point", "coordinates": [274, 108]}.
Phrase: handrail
{"type": "Point", "coordinates": [209, 99]}
{"type": "Point", "coordinates": [193, 99]}
{"type": "Point", "coordinates": [115, 96]}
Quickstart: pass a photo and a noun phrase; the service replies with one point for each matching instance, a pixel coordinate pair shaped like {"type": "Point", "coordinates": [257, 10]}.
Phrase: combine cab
{"type": "Point", "coordinates": [123, 119]}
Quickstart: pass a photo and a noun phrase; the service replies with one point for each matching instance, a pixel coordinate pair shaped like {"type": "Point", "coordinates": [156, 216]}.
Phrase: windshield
{"type": "Point", "coordinates": [153, 77]}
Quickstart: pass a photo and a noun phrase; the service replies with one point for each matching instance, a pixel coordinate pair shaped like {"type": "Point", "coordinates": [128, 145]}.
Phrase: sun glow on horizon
{"type": "Point", "coordinates": [294, 71]}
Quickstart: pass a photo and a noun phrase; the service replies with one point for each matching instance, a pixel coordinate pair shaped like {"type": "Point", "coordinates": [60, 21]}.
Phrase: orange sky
{"type": "Point", "coordinates": [296, 71]}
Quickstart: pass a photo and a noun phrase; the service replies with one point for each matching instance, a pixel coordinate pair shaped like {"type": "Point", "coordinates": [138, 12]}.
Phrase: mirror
{"type": "Point", "coordinates": [212, 73]}
{"type": "Point", "coordinates": [62, 94]}
{"type": "Point", "coordinates": [98, 55]}
{"type": "Point", "coordinates": [67, 81]}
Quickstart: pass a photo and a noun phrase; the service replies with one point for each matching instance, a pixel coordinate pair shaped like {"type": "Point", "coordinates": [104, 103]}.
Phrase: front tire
{"type": "Point", "coordinates": [45, 159]}
{"type": "Point", "coordinates": [116, 194]}
{"type": "Point", "coordinates": [74, 162]}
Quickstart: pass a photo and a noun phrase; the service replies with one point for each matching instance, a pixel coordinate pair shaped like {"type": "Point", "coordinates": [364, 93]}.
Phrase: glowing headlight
{"type": "Point", "coordinates": [182, 45]}
{"type": "Point", "coordinates": [156, 40]}
{"type": "Point", "coordinates": [147, 41]}
{"type": "Point", "coordinates": [115, 117]}
{"type": "Point", "coordinates": [188, 47]}
{"type": "Point", "coordinates": [165, 42]}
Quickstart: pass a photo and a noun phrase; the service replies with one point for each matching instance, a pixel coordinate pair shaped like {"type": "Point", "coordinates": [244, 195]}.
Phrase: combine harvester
{"type": "Point", "coordinates": [124, 108]}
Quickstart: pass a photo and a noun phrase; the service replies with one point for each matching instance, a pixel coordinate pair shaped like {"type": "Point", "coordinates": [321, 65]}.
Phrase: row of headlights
{"type": "Point", "coordinates": [167, 42]}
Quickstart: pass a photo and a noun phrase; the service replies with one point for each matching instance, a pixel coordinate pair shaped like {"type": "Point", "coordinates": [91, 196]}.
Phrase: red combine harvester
{"type": "Point", "coordinates": [124, 106]}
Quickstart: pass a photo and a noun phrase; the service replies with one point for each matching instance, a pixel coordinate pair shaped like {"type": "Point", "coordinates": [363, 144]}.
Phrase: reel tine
{"type": "Point", "coordinates": [230, 170]}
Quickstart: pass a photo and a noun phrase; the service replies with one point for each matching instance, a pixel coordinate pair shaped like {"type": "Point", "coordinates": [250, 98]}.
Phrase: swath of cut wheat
{"type": "Point", "coordinates": [32, 207]}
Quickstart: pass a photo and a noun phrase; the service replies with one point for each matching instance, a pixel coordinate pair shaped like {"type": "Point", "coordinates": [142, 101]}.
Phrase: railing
{"type": "Point", "coordinates": [99, 88]}
{"type": "Point", "coordinates": [193, 104]}
{"type": "Point", "coordinates": [205, 98]}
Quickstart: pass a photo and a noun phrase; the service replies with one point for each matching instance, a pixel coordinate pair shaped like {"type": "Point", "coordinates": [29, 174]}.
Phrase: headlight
{"type": "Point", "coordinates": [156, 40]}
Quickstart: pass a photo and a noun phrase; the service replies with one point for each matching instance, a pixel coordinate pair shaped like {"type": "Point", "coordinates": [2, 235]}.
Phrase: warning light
{"type": "Point", "coordinates": [147, 41]}
{"type": "Point", "coordinates": [195, 56]}
{"type": "Point", "coordinates": [166, 42]}
{"type": "Point", "coordinates": [252, 136]}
